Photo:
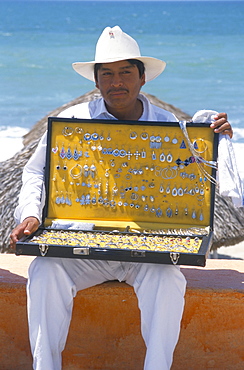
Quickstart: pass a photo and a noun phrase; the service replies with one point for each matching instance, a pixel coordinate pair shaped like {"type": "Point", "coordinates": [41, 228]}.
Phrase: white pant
{"type": "Point", "coordinates": [53, 283]}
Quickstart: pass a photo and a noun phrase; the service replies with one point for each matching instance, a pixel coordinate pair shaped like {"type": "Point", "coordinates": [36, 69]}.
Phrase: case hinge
{"type": "Point", "coordinates": [84, 251]}
{"type": "Point", "coordinates": [136, 253]}
{"type": "Point", "coordinates": [43, 248]}
{"type": "Point", "coordinates": [174, 257]}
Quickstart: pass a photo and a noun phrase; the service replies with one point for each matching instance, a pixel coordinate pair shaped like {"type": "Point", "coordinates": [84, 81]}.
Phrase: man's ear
{"type": "Point", "coordinates": [96, 84]}
{"type": "Point", "coordinates": [143, 79]}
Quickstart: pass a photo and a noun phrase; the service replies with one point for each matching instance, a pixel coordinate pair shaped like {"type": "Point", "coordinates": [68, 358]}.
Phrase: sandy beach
{"type": "Point", "coordinates": [231, 252]}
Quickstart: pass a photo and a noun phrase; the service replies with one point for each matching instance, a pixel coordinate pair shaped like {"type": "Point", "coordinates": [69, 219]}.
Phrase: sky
{"type": "Point", "coordinates": [127, 0]}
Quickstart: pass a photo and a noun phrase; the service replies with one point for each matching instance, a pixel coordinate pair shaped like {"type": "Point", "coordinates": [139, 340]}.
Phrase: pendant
{"type": "Point", "coordinates": [133, 135]}
{"type": "Point", "coordinates": [162, 157]}
{"type": "Point", "coordinates": [55, 149]}
{"type": "Point", "coordinates": [143, 154]}
{"type": "Point", "coordinates": [144, 135]}
{"type": "Point", "coordinates": [93, 170]}
{"type": "Point", "coordinates": [161, 189]}
{"type": "Point", "coordinates": [86, 170]}
{"type": "Point", "coordinates": [169, 212]}
{"type": "Point", "coordinates": [76, 155]}
{"type": "Point", "coordinates": [169, 158]}
{"type": "Point", "coordinates": [180, 192]}
{"type": "Point", "coordinates": [62, 153]}
{"type": "Point", "coordinates": [159, 212]}
{"type": "Point", "coordinates": [182, 145]}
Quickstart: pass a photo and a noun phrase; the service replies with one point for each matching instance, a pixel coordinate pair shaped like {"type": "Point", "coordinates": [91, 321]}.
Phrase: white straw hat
{"type": "Point", "coordinates": [114, 45]}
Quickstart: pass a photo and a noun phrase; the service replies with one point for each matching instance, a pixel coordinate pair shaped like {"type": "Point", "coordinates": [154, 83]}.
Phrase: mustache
{"type": "Point", "coordinates": [117, 90]}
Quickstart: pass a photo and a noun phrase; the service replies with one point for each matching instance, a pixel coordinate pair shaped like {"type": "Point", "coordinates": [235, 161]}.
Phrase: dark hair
{"type": "Point", "coordinates": [138, 63]}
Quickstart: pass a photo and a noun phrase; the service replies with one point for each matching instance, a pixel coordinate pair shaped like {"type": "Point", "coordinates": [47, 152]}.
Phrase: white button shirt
{"type": "Point", "coordinates": [32, 194]}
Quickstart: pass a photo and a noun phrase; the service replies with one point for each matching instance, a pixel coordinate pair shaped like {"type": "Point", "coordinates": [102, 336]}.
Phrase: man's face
{"type": "Point", "coordinates": [120, 84]}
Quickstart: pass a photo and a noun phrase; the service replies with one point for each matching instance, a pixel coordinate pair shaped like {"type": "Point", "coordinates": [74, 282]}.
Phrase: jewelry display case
{"type": "Point", "coordinates": [137, 191]}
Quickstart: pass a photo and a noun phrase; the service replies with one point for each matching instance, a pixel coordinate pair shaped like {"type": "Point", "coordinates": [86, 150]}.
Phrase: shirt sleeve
{"type": "Point", "coordinates": [32, 194]}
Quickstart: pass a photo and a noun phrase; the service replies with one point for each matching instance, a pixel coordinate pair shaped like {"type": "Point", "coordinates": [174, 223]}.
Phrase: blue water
{"type": "Point", "coordinates": [202, 43]}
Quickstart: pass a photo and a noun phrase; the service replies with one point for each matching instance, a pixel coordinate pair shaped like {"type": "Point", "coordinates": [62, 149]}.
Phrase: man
{"type": "Point", "coordinates": [119, 71]}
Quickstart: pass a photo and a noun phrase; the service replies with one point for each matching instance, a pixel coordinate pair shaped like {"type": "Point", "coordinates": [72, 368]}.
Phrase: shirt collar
{"type": "Point", "coordinates": [98, 109]}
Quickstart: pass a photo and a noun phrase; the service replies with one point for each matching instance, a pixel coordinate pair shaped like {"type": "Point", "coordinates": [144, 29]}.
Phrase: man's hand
{"type": "Point", "coordinates": [27, 227]}
{"type": "Point", "coordinates": [221, 125]}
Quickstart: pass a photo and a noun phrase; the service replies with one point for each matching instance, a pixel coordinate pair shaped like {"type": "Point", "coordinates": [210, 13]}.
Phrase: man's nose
{"type": "Point", "coordinates": [116, 80]}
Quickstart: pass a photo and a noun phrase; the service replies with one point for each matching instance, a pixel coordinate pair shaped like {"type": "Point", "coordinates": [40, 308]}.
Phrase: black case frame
{"type": "Point", "coordinates": [26, 247]}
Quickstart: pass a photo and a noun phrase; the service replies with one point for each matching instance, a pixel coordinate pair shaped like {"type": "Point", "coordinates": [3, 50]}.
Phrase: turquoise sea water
{"type": "Point", "coordinates": [202, 43]}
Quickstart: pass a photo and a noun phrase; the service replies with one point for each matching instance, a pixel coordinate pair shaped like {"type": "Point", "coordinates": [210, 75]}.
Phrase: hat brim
{"type": "Point", "coordinates": [153, 67]}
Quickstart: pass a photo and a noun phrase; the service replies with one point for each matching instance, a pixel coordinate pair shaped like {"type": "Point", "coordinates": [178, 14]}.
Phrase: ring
{"type": "Point", "coordinates": [87, 136]}
{"type": "Point", "coordinates": [133, 135]}
{"type": "Point", "coordinates": [78, 130]}
{"type": "Point", "coordinates": [67, 131]}
{"type": "Point", "coordinates": [144, 136]}
{"type": "Point", "coordinates": [200, 145]}
{"type": "Point", "coordinates": [76, 171]}
{"type": "Point", "coordinates": [94, 136]}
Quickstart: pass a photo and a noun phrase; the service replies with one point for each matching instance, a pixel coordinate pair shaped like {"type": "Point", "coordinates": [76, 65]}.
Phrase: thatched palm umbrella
{"type": "Point", "coordinates": [228, 223]}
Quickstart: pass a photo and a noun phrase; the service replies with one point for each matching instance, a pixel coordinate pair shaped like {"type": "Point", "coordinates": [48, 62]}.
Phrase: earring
{"type": "Point", "coordinates": [174, 192]}
{"type": "Point", "coordinates": [55, 149]}
{"type": "Point", "coordinates": [180, 192]}
{"type": "Point", "coordinates": [93, 170]}
{"type": "Point", "coordinates": [108, 137]}
{"type": "Point", "coordinates": [106, 172]}
{"type": "Point", "coordinates": [168, 190]}
{"type": "Point", "coordinates": [86, 170]}
{"type": "Point", "coordinates": [78, 130]}
{"type": "Point", "coordinates": [87, 136]}
{"type": "Point", "coordinates": [62, 153]}
{"type": "Point", "coordinates": [67, 131]}
{"type": "Point", "coordinates": [133, 135]}
{"type": "Point", "coordinates": [200, 145]}
{"type": "Point", "coordinates": [183, 145]}
{"type": "Point", "coordinates": [162, 157]}
{"type": "Point", "coordinates": [144, 135]}
{"type": "Point", "coordinates": [143, 154]}
{"type": "Point", "coordinates": [94, 136]}
{"type": "Point", "coordinates": [76, 155]}
{"type": "Point", "coordinates": [169, 158]}
{"type": "Point", "coordinates": [161, 189]}
{"type": "Point", "coordinates": [69, 153]}
{"type": "Point", "coordinates": [76, 171]}
{"type": "Point", "coordinates": [169, 212]}
{"type": "Point", "coordinates": [158, 142]}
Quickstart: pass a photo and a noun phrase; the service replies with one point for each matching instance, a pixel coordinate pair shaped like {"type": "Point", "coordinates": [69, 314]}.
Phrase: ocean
{"type": "Point", "coordinates": [202, 43]}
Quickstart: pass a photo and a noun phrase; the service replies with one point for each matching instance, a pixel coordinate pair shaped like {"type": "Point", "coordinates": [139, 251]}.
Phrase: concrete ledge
{"type": "Point", "coordinates": [105, 328]}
